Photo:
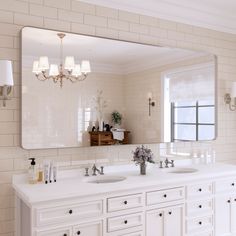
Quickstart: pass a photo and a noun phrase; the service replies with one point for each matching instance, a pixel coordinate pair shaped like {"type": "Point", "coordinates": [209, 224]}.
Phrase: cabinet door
{"type": "Point", "coordinates": [233, 215]}
{"type": "Point", "coordinates": [222, 215]}
{"type": "Point", "coordinates": [93, 229]}
{"type": "Point", "coordinates": [173, 224]}
{"type": "Point", "coordinates": [155, 223]}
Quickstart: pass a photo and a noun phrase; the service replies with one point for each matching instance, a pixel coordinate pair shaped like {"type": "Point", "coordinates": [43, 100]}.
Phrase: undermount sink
{"type": "Point", "coordinates": [104, 179]}
{"type": "Point", "coordinates": [182, 170]}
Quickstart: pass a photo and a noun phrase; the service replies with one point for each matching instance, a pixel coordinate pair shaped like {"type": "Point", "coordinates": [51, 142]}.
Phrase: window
{"type": "Point", "coordinates": [192, 121]}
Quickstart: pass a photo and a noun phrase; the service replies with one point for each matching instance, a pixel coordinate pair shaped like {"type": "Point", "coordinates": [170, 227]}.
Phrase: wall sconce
{"type": "Point", "coordinates": [151, 103]}
{"type": "Point", "coordinates": [6, 80]}
{"type": "Point", "coordinates": [231, 96]}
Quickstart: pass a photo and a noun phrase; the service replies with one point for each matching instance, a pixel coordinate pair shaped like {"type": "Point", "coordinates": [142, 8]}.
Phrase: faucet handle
{"type": "Point", "coordinates": [172, 163]}
{"type": "Point", "coordinates": [102, 170]}
{"type": "Point", "coordinates": [161, 164]}
{"type": "Point", "coordinates": [86, 171]}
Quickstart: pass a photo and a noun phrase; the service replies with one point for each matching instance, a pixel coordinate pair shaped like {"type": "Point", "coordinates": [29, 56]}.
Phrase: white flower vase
{"type": "Point", "coordinates": [101, 125]}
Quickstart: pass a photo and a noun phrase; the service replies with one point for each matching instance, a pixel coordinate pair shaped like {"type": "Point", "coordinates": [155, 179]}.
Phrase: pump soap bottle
{"type": "Point", "coordinates": [32, 174]}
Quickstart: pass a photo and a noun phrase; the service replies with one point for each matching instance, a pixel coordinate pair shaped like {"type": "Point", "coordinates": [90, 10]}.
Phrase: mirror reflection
{"type": "Point", "coordinates": [90, 91]}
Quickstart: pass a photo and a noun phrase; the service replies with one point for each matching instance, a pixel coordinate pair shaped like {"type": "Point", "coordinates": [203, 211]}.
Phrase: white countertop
{"type": "Point", "coordinates": [72, 183]}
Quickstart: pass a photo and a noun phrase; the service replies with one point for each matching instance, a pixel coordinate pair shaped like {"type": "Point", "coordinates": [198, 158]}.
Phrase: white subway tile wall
{"type": "Point", "coordinates": [78, 17]}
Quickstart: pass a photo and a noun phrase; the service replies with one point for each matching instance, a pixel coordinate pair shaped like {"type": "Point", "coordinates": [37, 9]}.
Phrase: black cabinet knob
{"type": "Point", "coordinates": [160, 214]}
{"type": "Point", "coordinates": [199, 189]}
{"type": "Point", "coordinates": [200, 223]}
{"type": "Point", "coordinates": [78, 232]}
{"type": "Point", "coordinates": [235, 199]}
{"type": "Point", "coordinates": [70, 211]}
{"type": "Point", "coordinates": [170, 212]}
{"type": "Point", "coordinates": [228, 201]}
{"type": "Point", "coordinates": [126, 221]}
{"type": "Point", "coordinates": [232, 184]}
{"type": "Point", "coordinates": [64, 234]}
{"type": "Point", "coordinates": [165, 195]}
{"type": "Point", "coordinates": [200, 206]}
{"type": "Point", "coordinates": [125, 202]}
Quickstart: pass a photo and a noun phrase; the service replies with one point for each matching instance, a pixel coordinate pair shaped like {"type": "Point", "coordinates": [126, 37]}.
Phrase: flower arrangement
{"type": "Point", "coordinates": [100, 104]}
{"type": "Point", "coordinates": [142, 155]}
{"type": "Point", "coordinates": [116, 117]}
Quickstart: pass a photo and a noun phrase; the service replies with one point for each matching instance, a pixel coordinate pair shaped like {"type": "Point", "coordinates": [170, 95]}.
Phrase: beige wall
{"type": "Point", "coordinates": [88, 19]}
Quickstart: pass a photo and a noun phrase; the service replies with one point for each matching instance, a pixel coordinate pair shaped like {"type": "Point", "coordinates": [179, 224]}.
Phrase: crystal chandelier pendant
{"type": "Point", "coordinates": [67, 71]}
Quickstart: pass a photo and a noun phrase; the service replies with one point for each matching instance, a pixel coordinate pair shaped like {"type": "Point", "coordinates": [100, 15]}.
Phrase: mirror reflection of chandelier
{"type": "Point", "coordinates": [68, 71]}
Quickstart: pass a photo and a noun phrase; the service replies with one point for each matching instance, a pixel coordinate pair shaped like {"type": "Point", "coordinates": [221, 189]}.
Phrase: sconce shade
{"type": "Point", "coordinates": [85, 67]}
{"type": "Point", "coordinates": [69, 63]}
{"type": "Point", "coordinates": [233, 90]}
{"type": "Point", "coordinates": [6, 74]}
{"type": "Point", "coordinates": [54, 71]}
{"type": "Point", "coordinates": [43, 63]}
{"type": "Point", "coordinates": [76, 71]}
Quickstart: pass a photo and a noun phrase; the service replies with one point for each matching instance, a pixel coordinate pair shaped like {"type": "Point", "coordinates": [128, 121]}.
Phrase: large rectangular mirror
{"type": "Point", "coordinates": [81, 91]}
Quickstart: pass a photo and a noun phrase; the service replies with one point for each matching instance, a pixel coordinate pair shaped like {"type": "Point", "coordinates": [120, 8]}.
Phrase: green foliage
{"type": "Point", "coordinates": [116, 117]}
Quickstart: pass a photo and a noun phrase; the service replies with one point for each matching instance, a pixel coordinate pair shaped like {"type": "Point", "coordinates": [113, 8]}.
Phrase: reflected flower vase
{"type": "Point", "coordinates": [143, 168]}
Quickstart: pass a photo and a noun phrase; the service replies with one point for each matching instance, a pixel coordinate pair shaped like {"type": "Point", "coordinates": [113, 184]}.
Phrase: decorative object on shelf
{"type": "Point", "coordinates": [99, 105]}
{"type": "Point", "coordinates": [116, 118]}
{"type": "Point", "coordinates": [6, 80]}
{"type": "Point", "coordinates": [69, 71]}
{"type": "Point", "coordinates": [231, 96]}
{"type": "Point", "coordinates": [151, 103]}
{"type": "Point", "coordinates": [141, 155]}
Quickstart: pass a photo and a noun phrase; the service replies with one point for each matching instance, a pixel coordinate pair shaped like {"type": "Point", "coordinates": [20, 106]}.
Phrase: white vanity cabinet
{"type": "Point", "coordinates": [165, 222]}
{"type": "Point", "coordinates": [202, 206]}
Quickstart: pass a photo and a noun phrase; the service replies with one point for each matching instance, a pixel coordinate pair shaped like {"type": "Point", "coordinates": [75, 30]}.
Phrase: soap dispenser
{"type": "Point", "coordinates": [32, 174]}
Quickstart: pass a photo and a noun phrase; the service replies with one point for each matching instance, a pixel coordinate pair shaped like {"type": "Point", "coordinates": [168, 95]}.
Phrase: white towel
{"type": "Point", "coordinates": [118, 134]}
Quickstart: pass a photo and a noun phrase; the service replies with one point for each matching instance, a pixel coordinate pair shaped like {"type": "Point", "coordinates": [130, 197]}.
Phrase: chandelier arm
{"type": "Point", "coordinates": [41, 77]}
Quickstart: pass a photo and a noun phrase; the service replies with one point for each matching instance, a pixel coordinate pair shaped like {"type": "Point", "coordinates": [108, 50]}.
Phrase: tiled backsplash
{"type": "Point", "coordinates": [74, 16]}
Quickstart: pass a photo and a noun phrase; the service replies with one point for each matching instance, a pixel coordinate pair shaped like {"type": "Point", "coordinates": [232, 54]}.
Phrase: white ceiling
{"type": "Point", "coordinates": [213, 14]}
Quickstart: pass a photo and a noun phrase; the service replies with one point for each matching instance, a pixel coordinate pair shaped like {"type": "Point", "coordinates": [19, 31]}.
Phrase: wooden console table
{"type": "Point", "coordinates": [100, 138]}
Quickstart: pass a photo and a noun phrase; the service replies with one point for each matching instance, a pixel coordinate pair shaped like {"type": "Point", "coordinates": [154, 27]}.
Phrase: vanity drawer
{"type": "Point", "coordinates": [124, 202]}
{"type": "Point", "coordinates": [196, 208]}
{"type": "Point", "coordinates": [166, 195]}
{"type": "Point", "coordinates": [65, 213]}
{"type": "Point", "coordinates": [225, 185]}
{"type": "Point", "coordinates": [92, 228]}
{"type": "Point", "coordinates": [124, 222]}
{"type": "Point", "coordinates": [198, 190]}
{"type": "Point", "coordinates": [57, 232]}
{"type": "Point", "coordinates": [199, 224]}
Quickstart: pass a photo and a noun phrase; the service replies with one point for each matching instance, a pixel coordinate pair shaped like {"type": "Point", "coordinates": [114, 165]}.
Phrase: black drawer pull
{"type": "Point", "coordinates": [125, 202]}
{"type": "Point", "coordinates": [199, 189]}
{"type": "Point", "coordinates": [200, 223]}
{"type": "Point", "coordinates": [78, 232]}
{"type": "Point", "coordinates": [235, 199]}
{"type": "Point", "coordinates": [70, 211]}
{"type": "Point", "coordinates": [64, 234]}
{"type": "Point", "coordinates": [200, 206]}
{"type": "Point", "coordinates": [160, 214]}
{"type": "Point", "coordinates": [170, 212]}
{"type": "Point", "coordinates": [126, 221]}
{"type": "Point", "coordinates": [228, 201]}
{"type": "Point", "coordinates": [232, 184]}
{"type": "Point", "coordinates": [165, 195]}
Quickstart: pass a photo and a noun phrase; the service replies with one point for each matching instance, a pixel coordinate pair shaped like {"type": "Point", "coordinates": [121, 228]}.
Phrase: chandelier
{"type": "Point", "coordinates": [69, 71]}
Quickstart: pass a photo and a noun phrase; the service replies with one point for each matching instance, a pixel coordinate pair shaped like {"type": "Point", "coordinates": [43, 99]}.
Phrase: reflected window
{"type": "Point", "coordinates": [192, 121]}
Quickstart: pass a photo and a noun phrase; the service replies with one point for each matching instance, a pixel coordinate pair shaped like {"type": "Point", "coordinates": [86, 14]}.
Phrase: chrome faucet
{"type": "Point", "coordinates": [95, 170]}
{"type": "Point", "coordinates": [167, 162]}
